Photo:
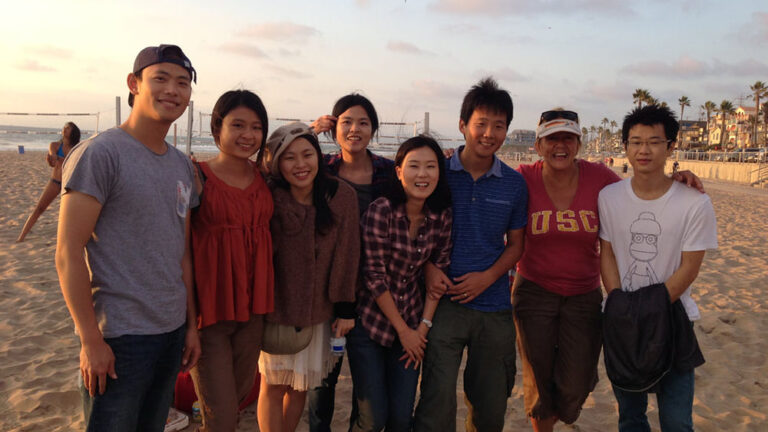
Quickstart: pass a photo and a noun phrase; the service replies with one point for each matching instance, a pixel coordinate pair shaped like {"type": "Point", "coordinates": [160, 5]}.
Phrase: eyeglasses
{"type": "Point", "coordinates": [648, 238]}
{"type": "Point", "coordinates": [653, 142]}
{"type": "Point", "coordinates": [555, 114]}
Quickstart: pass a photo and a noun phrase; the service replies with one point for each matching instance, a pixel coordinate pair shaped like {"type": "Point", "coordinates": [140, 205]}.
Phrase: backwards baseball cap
{"type": "Point", "coordinates": [163, 54]}
{"type": "Point", "coordinates": [281, 138]}
{"type": "Point", "coordinates": [558, 125]}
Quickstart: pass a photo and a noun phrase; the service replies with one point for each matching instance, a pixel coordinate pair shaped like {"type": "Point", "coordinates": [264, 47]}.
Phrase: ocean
{"type": "Point", "coordinates": [39, 138]}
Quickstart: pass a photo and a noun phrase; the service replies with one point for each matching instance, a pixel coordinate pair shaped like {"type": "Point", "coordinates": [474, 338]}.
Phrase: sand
{"type": "Point", "coordinates": [39, 351]}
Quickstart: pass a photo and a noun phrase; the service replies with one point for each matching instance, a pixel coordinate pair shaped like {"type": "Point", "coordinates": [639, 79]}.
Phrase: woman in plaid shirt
{"type": "Point", "coordinates": [401, 231]}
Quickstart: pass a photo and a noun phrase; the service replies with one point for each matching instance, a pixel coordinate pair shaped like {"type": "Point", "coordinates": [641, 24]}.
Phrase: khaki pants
{"type": "Point", "coordinates": [226, 371]}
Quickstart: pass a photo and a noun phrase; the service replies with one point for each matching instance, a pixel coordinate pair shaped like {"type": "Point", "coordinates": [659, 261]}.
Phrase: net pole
{"type": "Point", "coordinates": [190, 118]}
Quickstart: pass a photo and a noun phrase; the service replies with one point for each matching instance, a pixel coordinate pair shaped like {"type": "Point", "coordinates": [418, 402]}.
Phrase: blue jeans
{"type": "Point", "coordinates": [139, 399]}
{"type": "Point", "coordinates": [674, 394]}
{"type": "Point", "coordinates": [386, 390]}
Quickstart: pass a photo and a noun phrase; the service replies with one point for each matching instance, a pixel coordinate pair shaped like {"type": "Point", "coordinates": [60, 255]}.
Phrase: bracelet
{"type": "Point", "coordinates": [427, 322]}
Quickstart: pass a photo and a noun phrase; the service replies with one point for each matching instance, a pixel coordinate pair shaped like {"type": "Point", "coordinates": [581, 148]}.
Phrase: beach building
{"type": "Point", "coordinates": [738, 129]}
{"type": "Point", "coordinates": [520, 141]}
{"type": "Point", "coordinates": [692, 134]}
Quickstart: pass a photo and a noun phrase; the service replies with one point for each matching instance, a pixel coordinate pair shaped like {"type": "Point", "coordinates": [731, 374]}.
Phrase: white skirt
{"type": "Point", "coordinates": [305, 369]}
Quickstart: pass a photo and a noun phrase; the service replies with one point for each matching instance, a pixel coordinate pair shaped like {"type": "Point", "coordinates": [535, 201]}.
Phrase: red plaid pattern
{"type": "Point", "coordinates": [393, 263]}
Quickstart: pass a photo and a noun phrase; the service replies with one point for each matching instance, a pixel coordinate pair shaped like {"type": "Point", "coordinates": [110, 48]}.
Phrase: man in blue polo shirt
{"type": "Point", "coordinates": [489, 217]}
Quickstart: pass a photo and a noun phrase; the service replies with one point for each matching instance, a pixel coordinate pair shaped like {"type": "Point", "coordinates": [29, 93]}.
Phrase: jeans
{"type": "Point", "coordinates": [386, 390]}
{"type": "Point", "coordinates": [139, 399]}
{"type": "Point", "coordinates": [674, 394]}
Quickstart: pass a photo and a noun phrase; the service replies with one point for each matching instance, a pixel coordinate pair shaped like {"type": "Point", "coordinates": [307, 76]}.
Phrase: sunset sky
{"type": "Point", "coordinates": [408, 57]}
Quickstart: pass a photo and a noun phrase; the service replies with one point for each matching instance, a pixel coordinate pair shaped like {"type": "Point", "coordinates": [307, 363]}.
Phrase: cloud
{"type": "Point", "coordinates": [755, 31]}
{"type": "Point", "coordinates": [407, 48]}
{"type": "Point", "coordinates": [51, 51]}
{"type": "Point", "coordinates": [243, 49]}
{"type": "Point", "coordinates": [286, 72]}
{"type": "Point", "coordinates": [284, 52]}
{"type": "Point", "coordinates": [363, 3]}
{"type": "Point", "coordinates": [34, 66]}
{"type": "Point", "coordinates": [528, 7]}
{"type": "Point", "coordinates": [749, 67]}
{"type": "Point", "coordinates": [279, 32]}
{"type": "Point", "coordinates": [687, 67]}
{"type": "Point", "coordinates": [602, 93]}
{"type": "Point", "coordinates": [436, 90]}
{"type": "Point", "coordinates": [504, 74]}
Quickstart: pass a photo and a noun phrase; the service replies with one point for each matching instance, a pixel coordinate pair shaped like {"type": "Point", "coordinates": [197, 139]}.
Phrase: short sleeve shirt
{"type": "Point", "coordinates": [561, 253]}
{"type": "Point", "coordinates": [648, 236]}
{"type": "Point", "coordinates": [483, 211]}
{"type": "Point", "coordinates": [138, 243]}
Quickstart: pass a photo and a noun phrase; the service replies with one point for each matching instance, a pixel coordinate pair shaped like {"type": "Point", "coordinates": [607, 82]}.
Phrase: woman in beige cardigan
{"type": "Point", "coordinates": [316, 242]}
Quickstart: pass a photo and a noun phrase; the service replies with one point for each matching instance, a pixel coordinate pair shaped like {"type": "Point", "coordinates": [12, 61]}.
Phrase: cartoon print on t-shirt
{"type": "Point", "coordinates": [182, 198]}
{"type": "Point", "coordinates": [645, 233]}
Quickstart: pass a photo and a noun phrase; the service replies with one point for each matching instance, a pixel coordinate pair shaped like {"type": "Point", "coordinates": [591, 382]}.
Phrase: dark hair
{"type": "Point", "coordinates": [487, 94]}
{"type": "Point", "coordinates": [440, 198]}
{"type": "Point", "coordinates": [351, 100]}
{"type": "Point", "coordinates": [74, 133]}
{"type": "Point", "coordinates": [174, 53]}
{"type": "Point", "coordinates": [234, 99]}
{"type": "Point", "coordinates": [324, 188]}
{"type": "Point", "coordinates": [650, 115]}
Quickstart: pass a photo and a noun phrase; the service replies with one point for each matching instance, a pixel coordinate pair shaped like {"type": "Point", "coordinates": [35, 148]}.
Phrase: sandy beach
{"type": "Point", "coordinates": [39, 351]}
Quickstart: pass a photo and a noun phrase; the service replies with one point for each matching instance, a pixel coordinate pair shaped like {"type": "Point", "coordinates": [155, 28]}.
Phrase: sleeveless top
{"type": "Point", "coordinates": [232, 250]}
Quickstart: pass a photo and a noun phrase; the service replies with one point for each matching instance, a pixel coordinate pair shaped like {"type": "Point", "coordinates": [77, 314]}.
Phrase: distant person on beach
{"type": "Point", "coordinates": [316, 240]}
{"type": "Point", "coordinates": [123, 254]}
{"type": "Point", "coordinates": [57, 151]}
{"type": "Point", "coordinates": [653, 236]}
{"type": "Point", "coordinates": [402, 230]}
{"type": "Point", "coordinates": [232, 250]}
{"type": "Point", "coordinates": [489, 216]}
{"type": "Point", "coordinates": [352, 123]}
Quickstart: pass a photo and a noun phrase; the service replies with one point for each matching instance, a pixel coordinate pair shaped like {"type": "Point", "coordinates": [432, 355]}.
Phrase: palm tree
{"type": "Point", "coordinates": [760, 90]}
{"type": "Point", "coordinates": [640, 96]}
{"type": "Point", "coordinates": [726, 108]}
{"type": "Point", "coordinates": [613, 126]}
{"type": "Point", "coordinates": [653, 101]}
{"type": "Point", "coordinates": [684, 102]}
{"type": "Point", "coordinates": [765, 112]}
{"type": "Point", "coordinates": [584, 135]}
{"type": "Point", "coordinates": [605, 123]}
{"type": "Point", "coordinates": [709, 107]}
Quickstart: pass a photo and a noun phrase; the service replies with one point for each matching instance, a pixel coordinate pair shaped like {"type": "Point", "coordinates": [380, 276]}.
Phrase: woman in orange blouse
{"type": "Point", "coordinates": [232, 249]}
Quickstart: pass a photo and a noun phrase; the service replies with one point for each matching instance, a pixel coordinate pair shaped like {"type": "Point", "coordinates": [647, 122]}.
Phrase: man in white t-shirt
{"type": "Point", "coordinates": [655, 230]}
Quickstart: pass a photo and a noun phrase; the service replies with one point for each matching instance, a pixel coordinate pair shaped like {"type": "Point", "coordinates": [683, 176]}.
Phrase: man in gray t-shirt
{"type": "Point", "coordinates": [126, 202]}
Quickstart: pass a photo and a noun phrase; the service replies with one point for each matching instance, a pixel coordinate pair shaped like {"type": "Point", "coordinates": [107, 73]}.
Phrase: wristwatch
{"type": "Point", "coordinates": [427, 322]}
